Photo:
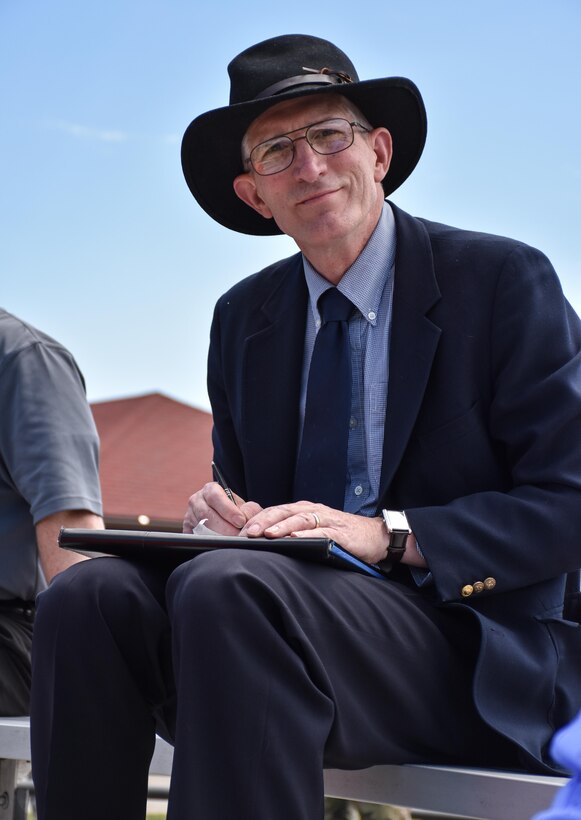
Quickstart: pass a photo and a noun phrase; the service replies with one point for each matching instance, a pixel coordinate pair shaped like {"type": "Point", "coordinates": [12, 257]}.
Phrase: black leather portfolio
{"type": "Point", "coordinates": [179, 547]}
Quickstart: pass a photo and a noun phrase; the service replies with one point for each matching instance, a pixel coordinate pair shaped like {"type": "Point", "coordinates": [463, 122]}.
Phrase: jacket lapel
{"type": "Point", "coordinates": [413, 343]}
{"type": "Point", "coordinates": [272, 367]}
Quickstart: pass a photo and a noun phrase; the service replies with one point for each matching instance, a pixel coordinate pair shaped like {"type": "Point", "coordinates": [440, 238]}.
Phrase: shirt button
{"type": "Point", "coordinates": [353, 422]}
{"type": "Point", "coordinates": [318, 323]}
{"type": "Point", "coordinates": [371, 315]}
{"type": "Point", "coordinates": [358, 489]}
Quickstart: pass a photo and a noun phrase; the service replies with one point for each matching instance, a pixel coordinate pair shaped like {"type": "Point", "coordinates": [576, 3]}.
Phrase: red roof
{"type": "Point", "coordinates": [155, 452]}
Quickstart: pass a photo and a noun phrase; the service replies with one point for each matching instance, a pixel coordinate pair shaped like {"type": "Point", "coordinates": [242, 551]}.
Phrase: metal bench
{"type": "Point", "coordinates": [438, 791]}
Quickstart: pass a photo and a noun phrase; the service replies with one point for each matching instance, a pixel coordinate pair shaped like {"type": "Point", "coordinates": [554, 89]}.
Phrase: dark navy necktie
{"type": "Point", "coordinates": [322, 464]}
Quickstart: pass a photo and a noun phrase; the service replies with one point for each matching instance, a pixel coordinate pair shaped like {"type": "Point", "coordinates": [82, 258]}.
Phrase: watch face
{"type": "Point", "coordinates": [396, 521]}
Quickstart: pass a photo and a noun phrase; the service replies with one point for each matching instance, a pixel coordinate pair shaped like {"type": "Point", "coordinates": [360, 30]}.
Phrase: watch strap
{"type": "Point", "coordinates": [398, 530]}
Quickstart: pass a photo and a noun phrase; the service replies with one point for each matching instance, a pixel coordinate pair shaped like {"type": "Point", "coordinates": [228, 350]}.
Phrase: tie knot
{"type": "Point", "coordinates": [334, 306]}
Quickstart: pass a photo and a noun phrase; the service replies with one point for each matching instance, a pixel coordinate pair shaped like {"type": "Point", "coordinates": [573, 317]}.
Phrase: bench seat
{"type": "Point", "coordinates": [445, 791]}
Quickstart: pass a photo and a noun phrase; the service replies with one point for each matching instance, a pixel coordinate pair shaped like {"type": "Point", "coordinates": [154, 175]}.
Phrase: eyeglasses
{"type": "Point", "coordinates": [326, 137]}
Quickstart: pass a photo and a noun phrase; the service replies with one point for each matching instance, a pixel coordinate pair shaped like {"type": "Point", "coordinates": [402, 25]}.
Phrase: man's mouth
{"type": "Point", "coordinates": [316, 196]}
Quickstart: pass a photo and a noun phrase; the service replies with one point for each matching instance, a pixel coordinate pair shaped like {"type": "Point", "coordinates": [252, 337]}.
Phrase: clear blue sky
{"type": "Point", "coordinates": [103, 246]}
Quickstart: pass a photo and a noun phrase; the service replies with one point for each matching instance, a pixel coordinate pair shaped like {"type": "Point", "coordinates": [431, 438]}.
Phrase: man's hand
{"type": "Point", "coordinates": [365, 537]}
{"type": "Point", "coordinates": [224, 517]}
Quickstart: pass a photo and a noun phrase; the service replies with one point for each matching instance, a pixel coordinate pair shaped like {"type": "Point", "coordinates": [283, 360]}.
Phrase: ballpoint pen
{"type": "Point", "coordinates": [222, 482]}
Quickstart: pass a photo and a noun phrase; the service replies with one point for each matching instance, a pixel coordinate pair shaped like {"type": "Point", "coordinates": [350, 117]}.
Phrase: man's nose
{"type": "Point", "coordinates": [307, 163]}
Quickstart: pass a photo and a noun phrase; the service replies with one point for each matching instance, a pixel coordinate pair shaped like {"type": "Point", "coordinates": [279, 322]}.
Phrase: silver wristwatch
{"type": "Point", "coordinates": [398, 530]}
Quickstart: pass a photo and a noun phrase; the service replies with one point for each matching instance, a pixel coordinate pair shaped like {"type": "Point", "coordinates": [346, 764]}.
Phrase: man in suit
{"type": "Point", "coordinates": [411, 391]}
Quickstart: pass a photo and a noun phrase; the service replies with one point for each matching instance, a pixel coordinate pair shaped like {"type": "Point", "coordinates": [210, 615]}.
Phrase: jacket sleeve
{"type": "Point", "coordinates": [523, 524]}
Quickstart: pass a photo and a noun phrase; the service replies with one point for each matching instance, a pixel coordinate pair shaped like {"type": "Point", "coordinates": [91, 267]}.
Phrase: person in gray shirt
{"type": "Point", "coordinates": [49, 478]}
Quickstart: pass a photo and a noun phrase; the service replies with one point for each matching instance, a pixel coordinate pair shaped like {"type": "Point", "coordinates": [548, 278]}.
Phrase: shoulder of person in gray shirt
{"type": "Point", "coordinates": [49, 448]}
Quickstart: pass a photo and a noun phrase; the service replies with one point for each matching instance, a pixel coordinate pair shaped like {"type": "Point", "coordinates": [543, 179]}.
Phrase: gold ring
{"type": "Point", "coordinates": [317, 520]}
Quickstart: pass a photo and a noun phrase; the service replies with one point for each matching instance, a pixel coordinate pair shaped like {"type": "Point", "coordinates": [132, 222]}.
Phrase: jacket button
{"type": "Point", "coordinates": [490, 583]}
{"type": "Point", "coordinates": [467, 590]}
{"type": "Point", "coordinates": [479, 586]}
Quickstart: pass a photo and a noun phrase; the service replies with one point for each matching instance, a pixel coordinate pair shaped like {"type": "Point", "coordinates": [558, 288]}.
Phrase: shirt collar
{"type": "Point", "coordinates": [363, 283]}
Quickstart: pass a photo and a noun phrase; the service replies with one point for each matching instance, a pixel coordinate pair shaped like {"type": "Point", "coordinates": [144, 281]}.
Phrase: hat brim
{"type": "Point", "coordinates": [211, 147]}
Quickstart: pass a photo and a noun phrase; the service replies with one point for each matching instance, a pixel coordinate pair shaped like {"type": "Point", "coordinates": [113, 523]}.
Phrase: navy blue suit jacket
{"type": "Point", "coordinates": [482, 445]}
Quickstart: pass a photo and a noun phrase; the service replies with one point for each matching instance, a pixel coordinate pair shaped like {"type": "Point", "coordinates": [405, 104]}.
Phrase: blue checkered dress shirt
{"type": "Point", "coordinates": [368, 283]}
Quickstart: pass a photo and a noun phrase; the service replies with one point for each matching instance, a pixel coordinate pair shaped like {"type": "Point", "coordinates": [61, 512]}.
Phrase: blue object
{"type": "Point", "coordinates": [566, 750]}
{"type": "Point", "coordinates": [322, 464]}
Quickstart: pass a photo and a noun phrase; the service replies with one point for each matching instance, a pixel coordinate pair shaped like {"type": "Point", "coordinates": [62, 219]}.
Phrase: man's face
{"type": "Point", "coordinates": [319, 200]}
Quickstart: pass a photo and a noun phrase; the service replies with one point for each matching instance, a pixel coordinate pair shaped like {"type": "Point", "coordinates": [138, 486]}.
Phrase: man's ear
{"type": "Point", "coordinates": [383, 147]}
{"type": "Point", "coordinates": [245, 189]}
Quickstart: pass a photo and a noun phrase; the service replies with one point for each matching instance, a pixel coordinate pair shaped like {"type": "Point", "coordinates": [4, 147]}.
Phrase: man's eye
{"type": "Point", "coordinates": [327, 132]}
{"type": "Point", "coordinates": [271, 149]}
{"type": "Point", "coordinates": [326, 136]}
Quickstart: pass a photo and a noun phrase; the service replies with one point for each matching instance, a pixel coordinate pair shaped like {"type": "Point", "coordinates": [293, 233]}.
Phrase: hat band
{"type": "Point", "coordinates": [303, 79]}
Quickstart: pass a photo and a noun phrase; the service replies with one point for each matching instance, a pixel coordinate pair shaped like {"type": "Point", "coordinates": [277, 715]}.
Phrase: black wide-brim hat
{"type": "Point", "coordinates": [283, 68]}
